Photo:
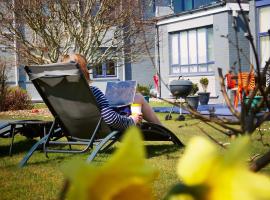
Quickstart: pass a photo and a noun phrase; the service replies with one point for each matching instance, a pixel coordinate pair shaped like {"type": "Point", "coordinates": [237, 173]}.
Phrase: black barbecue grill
{"type": "Point", "coordinates": [180, 89]}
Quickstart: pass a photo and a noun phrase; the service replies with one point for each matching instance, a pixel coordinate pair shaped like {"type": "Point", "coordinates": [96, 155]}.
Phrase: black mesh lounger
{"type": "Point", "coordinates": [68, 96]}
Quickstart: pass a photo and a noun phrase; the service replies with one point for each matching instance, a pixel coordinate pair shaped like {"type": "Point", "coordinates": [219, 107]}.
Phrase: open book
{"type": "Point", "coordinates": [120, 93]}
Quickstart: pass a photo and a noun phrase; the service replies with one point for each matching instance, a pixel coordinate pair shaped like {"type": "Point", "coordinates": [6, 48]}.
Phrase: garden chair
{"type": "Point", "coordinates": [27, 128]}
{"type": "Point", "coordinates": [68, 96]}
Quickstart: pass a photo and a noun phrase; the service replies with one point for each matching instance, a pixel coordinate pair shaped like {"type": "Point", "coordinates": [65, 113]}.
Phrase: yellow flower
{"type": "Point", "coordinates": [207, 174]}
{"type": "Point", "coordinates": [124, 176]}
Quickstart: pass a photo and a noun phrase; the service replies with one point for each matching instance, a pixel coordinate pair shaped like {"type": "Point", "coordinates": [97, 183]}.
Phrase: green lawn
{"type": "Point", "coordinates": [40, 105]}
{"type": "Point", "coordinates": [42, 178]}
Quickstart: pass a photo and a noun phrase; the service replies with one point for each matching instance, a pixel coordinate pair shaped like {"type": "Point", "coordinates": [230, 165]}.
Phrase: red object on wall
{"type": "Point", "coordinates": [156, 81]}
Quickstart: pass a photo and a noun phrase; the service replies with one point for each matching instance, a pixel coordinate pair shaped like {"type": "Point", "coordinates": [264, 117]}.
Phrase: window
{"type": "Point", "coordinates": [184, 5]}
{"type": "Point", "coordinates": [192, 51]}
{"type": "Point", "coordinates": [264, 34]}
{"type": "Point", "coordinates": [110, 68]}
{"type": "Point", "coordinates": [103, 70]}
{"type": "Point", "coordinates": [175, 49]}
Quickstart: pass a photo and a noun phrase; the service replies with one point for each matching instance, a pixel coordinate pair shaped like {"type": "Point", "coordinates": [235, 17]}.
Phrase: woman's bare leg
{"type": "Point", "coordinates": [147, 111]}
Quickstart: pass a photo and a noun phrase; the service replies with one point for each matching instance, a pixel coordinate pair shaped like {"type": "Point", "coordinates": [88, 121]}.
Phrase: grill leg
{"type": "Point", "coordinates": [181, 117]}
{"type": "Point", "coordinates": [169, 116]}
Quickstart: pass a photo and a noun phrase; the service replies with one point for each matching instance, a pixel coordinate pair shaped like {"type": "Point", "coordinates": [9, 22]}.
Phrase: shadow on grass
{"type": "Point", "coordinates": [162, 149]}
{"type": "Point", "coordinates": [50, 160]}
{"type": "Point", "coordinates": [24, 145]}
{"type": "Point", "coordinates": [153, 150]}
{"type": "Point", "coordinates": [18, 147]}
{"type": "Point", "coordinates": [46, 161]}
{"type": "Point", "coordinates": [189, 124]}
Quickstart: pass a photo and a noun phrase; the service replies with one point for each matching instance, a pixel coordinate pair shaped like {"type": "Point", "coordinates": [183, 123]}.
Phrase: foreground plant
{"type": "Point", "coordinates": [124, 176]}
{"type": "Point", "coordinates": [207, 174]}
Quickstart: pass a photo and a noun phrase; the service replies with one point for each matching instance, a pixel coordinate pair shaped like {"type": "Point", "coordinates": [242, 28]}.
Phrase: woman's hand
{"type": "Point", "coordinates": [137, 118]}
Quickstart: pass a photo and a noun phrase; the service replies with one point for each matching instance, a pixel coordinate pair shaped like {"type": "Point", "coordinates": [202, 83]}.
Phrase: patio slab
{"type": "Point", "coordinates": [220, 109]}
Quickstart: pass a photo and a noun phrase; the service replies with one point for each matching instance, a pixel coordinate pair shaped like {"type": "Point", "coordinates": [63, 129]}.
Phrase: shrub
{"type": "Point", "coordinates": [17, 99]}
{"type": "Point", "coordinates": [204, 82]}
{"type": "Point", "coordinates": [3, 84]}
{"type": "Point", "coordinates": [194, 89]}
{"type": "Point", "coordinates": [144, 90]}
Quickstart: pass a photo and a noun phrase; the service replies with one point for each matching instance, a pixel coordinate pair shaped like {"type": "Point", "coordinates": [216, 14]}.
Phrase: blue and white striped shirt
{"type": "Point", "coordinates": [112, 118]}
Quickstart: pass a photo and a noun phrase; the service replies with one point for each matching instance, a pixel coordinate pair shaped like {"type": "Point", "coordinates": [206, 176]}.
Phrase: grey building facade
{"type": "Point", "coordinates": [196, 42]}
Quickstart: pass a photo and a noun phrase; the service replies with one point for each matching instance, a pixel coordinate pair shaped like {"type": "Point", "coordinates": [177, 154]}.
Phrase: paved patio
{"type": "Point", "coordinates": [220, 109]}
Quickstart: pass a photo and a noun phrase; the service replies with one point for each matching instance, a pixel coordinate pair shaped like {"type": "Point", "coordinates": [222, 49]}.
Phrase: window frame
{"type": "Point", "coordinates": [104, 70]}
{"type": "Point", "coordinates": [259, 6]}
{"type": "Point", "coordinates": [208, 63]}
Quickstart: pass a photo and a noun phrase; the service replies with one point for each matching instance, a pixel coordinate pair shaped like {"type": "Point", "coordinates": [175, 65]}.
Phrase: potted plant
{"type": "Point", "coordinates": [193, 99]}
{"type": "Point", "coordinates": [144, 90]}
{"type": "Point", "coordinates": [204, 96]}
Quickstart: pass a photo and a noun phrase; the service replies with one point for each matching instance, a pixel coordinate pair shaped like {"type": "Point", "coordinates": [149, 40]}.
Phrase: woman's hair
{"type": "Point", "coordinates": [81, 60]}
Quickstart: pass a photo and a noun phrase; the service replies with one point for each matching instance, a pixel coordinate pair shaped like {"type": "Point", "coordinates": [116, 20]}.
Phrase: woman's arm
{"type": "Point", "coordinates": [112, 118]}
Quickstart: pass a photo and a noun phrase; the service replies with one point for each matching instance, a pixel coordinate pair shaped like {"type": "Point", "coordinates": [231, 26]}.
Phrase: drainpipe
{"type": "Point", "coordinates": [158, 61]}
{"type": "Point", "coordinates": [234, 25]}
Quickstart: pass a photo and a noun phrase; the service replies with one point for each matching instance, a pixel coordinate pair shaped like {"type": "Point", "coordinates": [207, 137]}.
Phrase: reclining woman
{"type": "Point", "coordinates": [109, 115]}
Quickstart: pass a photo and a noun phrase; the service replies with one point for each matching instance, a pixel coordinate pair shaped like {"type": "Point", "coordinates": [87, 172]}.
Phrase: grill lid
{"type": "Point", "coordinates": [180, 87]}
{"type": "Point", "coordinates": [180, 82]}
